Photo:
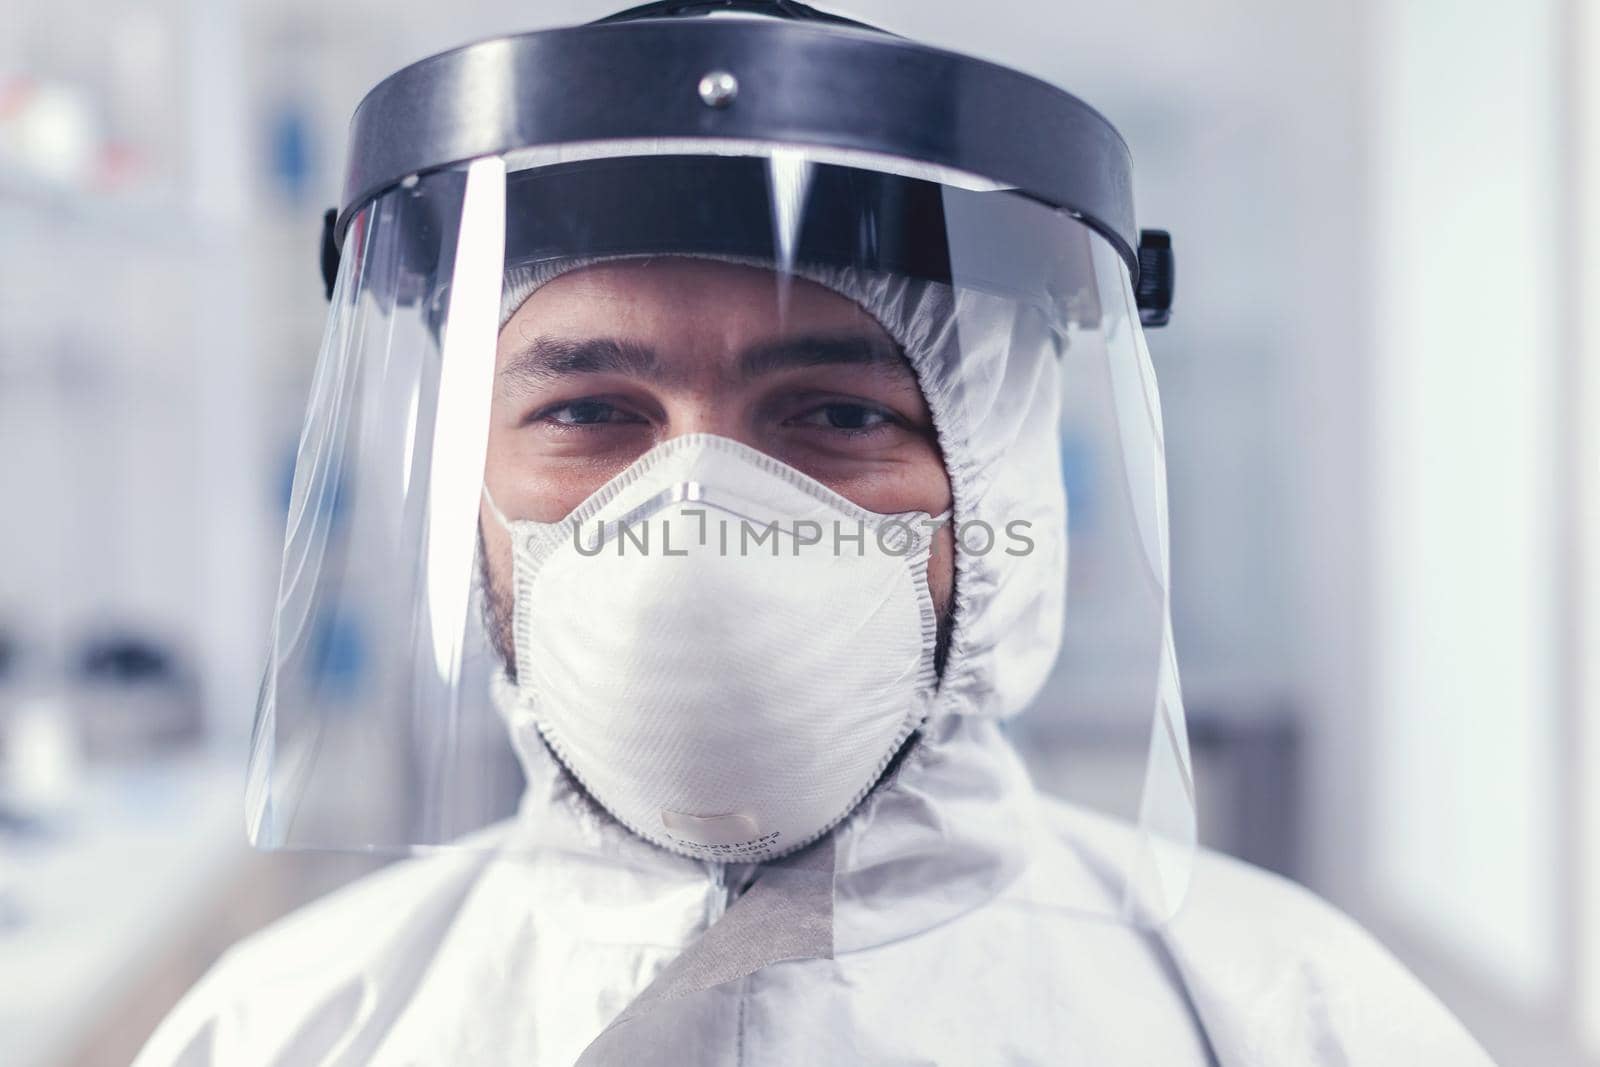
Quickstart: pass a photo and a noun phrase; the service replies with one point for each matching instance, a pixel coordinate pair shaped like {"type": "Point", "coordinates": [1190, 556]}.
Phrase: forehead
{"type": "Point", "coordinates": [679, 304]}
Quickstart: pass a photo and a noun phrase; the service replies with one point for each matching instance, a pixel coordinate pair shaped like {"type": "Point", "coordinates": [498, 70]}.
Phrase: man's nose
{"type": "Point", "coordinates": [709, 413]}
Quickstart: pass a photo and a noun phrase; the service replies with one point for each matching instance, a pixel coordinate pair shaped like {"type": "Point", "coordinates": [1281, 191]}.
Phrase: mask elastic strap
{"type": "Point", "coordinates": [494, 509]}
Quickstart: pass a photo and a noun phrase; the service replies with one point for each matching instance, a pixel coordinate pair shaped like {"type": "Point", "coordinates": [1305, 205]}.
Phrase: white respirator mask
{"type": "Point", "coordinates": [724, 652]}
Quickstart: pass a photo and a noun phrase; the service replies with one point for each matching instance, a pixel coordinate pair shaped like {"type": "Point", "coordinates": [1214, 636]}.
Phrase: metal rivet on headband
{"type": "Point", "coordinates": [718, 88]}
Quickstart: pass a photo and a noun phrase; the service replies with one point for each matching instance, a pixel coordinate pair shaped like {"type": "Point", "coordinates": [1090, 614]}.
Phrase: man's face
{"type": "Point", "coordinates": [604, 363]}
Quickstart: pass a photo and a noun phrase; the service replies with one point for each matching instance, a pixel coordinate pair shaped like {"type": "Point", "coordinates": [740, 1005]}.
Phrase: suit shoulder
{"type": "Point", "coordinates": [1276, 974]}
{"type": "Point", "coordinates": [1272, 966]}
{"type": "Point", "coordinates": [308, 970]}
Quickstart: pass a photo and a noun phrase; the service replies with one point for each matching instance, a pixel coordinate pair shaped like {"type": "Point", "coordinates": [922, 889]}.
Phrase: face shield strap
{"type": "Point", "coordinates": [804, 216]}
{"type": "Point", "coordinates": [779, 9]}
{"type": "Point", "coordinates": [828, 221]}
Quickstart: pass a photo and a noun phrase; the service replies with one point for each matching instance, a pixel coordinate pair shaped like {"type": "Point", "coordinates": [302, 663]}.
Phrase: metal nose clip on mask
{"type": "Point", "coordinates": [752, 649]}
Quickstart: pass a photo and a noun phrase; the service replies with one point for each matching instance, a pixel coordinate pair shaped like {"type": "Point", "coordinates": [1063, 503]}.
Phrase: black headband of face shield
{"type": "Point", "coordinates": [729, 206]}
{"type": "Point", "coordinates": [753, 207]}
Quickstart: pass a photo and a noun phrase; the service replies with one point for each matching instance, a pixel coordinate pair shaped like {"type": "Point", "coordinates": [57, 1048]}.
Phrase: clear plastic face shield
{"type": "Point", "coordinates": [714, 485]}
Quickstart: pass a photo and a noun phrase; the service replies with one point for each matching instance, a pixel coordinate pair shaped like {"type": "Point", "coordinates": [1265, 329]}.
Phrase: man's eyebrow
{"type": "Point", "coordinates": [544, 360]}
{"type": "Point", "coordinates": [789, 353]}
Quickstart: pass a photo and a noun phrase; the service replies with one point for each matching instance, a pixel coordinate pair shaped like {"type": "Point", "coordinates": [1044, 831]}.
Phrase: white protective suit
{"type": "Point", "coordinates": [918, 932]}
{"type": "Point", "coordinates": [472, 959]}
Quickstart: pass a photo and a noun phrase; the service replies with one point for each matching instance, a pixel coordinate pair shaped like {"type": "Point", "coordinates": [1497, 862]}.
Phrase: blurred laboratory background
{"type": "Point", "coordinates": [1381, 391]}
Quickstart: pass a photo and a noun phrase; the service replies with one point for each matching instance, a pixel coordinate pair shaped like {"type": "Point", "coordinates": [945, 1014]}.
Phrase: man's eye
{"type": "Point", "coordinates": [585, 413]}
{"type": "Point", "coordinates": [847, 417]}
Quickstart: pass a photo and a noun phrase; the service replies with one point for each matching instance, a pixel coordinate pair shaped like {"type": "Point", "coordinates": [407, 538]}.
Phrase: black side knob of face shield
{"type": "Point", "coordinates": [1157, 277]}
{"type": "Point", "coordinates": [330, 253]}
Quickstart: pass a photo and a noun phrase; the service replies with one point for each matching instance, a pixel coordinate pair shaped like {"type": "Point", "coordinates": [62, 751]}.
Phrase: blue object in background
{"type": "Point", "coordinates": [1078, 475]}
{"type": "Point", "coordinates": [338, 656]}
{"type": "Point", "coordinates": [290, 151]}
